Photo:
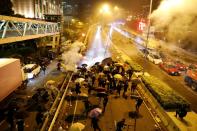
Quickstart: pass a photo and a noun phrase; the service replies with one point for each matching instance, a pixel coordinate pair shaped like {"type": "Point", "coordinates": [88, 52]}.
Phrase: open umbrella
{"type": "Point", "coordinates": [79, 80]}
{"type": "Point", "coordinates": [50, 82]}
{"type": "Point", "coordinates": [84, 65]}
{"type": "Point", "coordinates": [77, 127]}
{"type": "Point", "coordinates": [97, 63]}
{"type": "Point", "coordinates": [118, 76]}
{"type": "Point", "coordinates": [107, 60]}
{"type": "Point", "coordinates": [102, 94]}
{"type": "Point", "coordinates": [118, 64]}
{"type": "Point", "coordinates": [95, 112]}
{"type": "Point", "coordinates": [100, 89]}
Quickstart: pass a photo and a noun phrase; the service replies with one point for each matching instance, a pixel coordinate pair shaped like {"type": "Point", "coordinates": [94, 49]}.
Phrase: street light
{"type": "Point", "coordinates": [148, 31]}
{"type": "Point", "coordinates": [105, 9]}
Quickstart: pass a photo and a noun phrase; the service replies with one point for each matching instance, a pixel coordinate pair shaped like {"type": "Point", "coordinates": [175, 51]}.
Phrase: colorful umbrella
{"type": "Point", "coordinates": [79, 80]}
{"type": "Point", "coordinates": [117, 76]}
{"type": "Point", "coordinates": [95, 112]}
{"type": "Point", "coordinates": [77, 127]}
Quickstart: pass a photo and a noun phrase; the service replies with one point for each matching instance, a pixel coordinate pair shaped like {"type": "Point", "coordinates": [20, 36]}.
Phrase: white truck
{"type": "Point", "coordinates": [10, 76]}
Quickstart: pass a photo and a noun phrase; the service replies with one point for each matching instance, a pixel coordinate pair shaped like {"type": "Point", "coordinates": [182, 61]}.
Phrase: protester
{"type": "Point", "coordinates": [58, 66]}
{"type": "Point", "coordinates": [87, 106]}
{"type": "Point", "coordinates": [20, 124]}
{"type": "Point", "coordinates": [133, 87]}
{"type": "Point", "coordinates": [44, 69]}
{"type": "Point", "coordinates": [77, 88]}
{"type": "Point", "coordinates": [94, 124]}
{"type": "Point", "coordinates": [120, 125]}
{"type": "Point", "coordinates": [10, 118]}
{"type": "Point", "coordinates": [105, 101]}
{"type": "Point", "coordinates": [138, 103]}
{"type": "Point", "coordinates": [126, 85]}
{"type": "Point", "coordinates": [39, 118]}
{"type": "Point", "coordinates": [181, 111]}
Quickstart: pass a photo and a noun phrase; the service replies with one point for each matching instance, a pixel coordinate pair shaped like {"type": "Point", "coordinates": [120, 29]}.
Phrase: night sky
{"type": "Point", "coordinates": [131, 5]}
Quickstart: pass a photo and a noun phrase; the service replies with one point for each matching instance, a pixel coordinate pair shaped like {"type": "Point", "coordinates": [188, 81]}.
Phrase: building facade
{"type": "Point", "coordinates": [37, 8]}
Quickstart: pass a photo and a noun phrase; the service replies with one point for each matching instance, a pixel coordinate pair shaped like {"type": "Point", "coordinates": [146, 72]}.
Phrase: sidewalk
{"type": "Point", "coordinates": [189, 123]}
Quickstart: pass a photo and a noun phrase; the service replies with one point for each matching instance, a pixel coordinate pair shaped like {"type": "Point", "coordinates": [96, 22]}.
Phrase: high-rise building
{"type": "Point", "coordinates": [37, 8]}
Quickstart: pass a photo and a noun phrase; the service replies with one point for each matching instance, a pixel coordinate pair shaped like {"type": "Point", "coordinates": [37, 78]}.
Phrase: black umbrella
{"type": "Point", "coordinates": [78, 67]}
{"type": "Point", "coordinates": [101, 94]}
{"type": "Point", "coordinates": [97, 63]}
{"type": "Point", "coordinates": [107, 61]}
{"type": "Point", "coordinates": [84, 65]}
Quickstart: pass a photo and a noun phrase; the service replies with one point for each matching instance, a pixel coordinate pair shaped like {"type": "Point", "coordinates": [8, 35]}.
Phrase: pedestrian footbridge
{"type": "Point", "coordinates": [13, 29]}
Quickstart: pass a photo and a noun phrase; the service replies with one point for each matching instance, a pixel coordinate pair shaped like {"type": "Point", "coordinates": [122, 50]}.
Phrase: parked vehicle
{"type": "Point", "coordinates": [191, 78]}
{"type": "Point", "coordinates": [31, 71]}
{"type": "Point", "coordinates": [155, 58]}
{"type": "Point", "coordinates": [170, 68]}
{"type": "Point", "coordinates": [180, 66]}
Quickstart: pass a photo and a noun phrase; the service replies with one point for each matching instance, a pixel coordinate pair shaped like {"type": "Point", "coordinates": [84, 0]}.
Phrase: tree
{"type": "Point", "coordinates": [6, 7]}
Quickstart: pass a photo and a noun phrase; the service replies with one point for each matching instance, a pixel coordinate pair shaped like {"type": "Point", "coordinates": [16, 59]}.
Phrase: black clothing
{"type": "Point", "coordinates": [105, 101]}
{"type": "Point", "coordinates": [39, 118]}
{"type": "Point", "coordinates": [94, 124]}
{"type": "Point", "coordinates": [20, 124]}
{"type": "Point", "coordinates": [138, 104]}
{"type": "Point", "coordinates": [120, 125]}
{"type": "Point", "coordinates": [77, 88]}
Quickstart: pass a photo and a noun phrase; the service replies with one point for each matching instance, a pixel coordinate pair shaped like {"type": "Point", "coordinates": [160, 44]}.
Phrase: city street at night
{"type": "Point", "coordinates": [88, 65]}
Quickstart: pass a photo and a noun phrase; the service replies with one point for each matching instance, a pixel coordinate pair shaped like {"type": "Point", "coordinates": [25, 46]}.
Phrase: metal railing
{"type": "Point", "coordinates": [22, 27]}
{"type": "Point", "coordinates": [54, 111]}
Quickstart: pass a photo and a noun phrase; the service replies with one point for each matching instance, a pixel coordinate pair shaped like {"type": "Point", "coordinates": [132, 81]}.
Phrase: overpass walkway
{"type": "Point", "coordinates": [14, 29]}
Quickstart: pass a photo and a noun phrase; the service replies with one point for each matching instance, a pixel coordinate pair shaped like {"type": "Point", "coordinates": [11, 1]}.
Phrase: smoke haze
{"type": "Point", "coordinates": [178, 18]}
{"type": "Point", "coordinates": [72, 57]}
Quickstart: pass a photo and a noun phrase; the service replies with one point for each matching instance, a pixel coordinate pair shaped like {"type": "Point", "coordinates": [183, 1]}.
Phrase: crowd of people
{"type": "Point", "coordinates": [105, 79]}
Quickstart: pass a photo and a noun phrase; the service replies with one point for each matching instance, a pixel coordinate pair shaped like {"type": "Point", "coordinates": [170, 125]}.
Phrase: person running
{"type": "Point", "coordinates": [120, 125]}
{"type": "Point", "coordinates": [138, 103]}
{"type": "Point", "coordinates": [94, 124]}
{"type": "Point", "coordinates": [105, 101]}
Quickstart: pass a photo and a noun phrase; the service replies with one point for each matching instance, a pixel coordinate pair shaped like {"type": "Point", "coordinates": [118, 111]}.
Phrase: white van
{"type": "Point", "coordinates": [30, 71]}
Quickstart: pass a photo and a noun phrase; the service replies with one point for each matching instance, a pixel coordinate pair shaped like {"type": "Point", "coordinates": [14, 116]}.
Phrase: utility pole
{"type": "Point", "coordinates": [148, 31]}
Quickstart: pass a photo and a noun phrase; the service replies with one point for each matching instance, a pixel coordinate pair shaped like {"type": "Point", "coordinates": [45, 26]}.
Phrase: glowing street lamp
{"type": "Point", "coordinates": [105, 9]}
{"type": "Point", "coordinates": [116, 8]}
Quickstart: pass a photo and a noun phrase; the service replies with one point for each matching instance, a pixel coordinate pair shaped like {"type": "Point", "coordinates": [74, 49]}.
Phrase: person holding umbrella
{"type": "Point", "coordinates": [94, 123]}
